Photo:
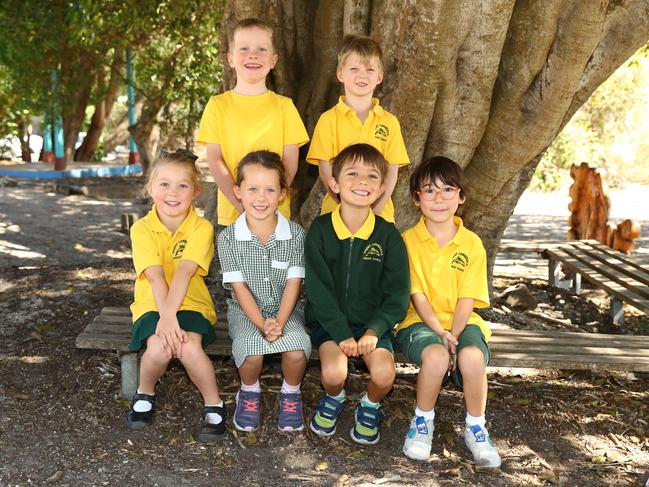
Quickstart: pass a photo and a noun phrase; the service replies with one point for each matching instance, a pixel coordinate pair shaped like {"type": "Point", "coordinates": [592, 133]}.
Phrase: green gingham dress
{"type": "Point", "coordinates": [264, 269]}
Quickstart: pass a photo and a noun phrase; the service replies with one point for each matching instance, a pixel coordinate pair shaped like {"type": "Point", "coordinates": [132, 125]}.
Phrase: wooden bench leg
{"type": "Point", "coordinates": [554, 277]}
{"type": "Point", "coordinates": [576, 284]}
{"type": "Point", "coordinates": [130, 374]}
{"type": "Point", "coordinates": [617, 310]}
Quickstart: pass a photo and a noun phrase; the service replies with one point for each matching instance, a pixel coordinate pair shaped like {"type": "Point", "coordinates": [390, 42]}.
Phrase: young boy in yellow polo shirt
{"type": "Point", "coordinates": [249, 118]}
{"type": "Point", "coordinates": [358, 118]}
{"type": "Point", "coordinates": [441, 332]}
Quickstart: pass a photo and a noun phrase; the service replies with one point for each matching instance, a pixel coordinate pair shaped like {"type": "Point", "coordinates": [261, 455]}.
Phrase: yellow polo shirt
{"type": "Point", "coordinates": [153, 244]}
{"type": "Point", "coordinates": [340, 127]}
{"type": "Point", "coordinates": [242, 124]}
{"type": "Point", "coordinates": [342, 232]}
{"type": "Point", "coordinates": [458, 270]}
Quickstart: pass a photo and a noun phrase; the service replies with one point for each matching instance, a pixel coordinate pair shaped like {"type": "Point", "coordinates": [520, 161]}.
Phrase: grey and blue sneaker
{"type": "Point", "coordinates": [482, 448]}
{"type": "Point", "coordinates": [290, 412]}
{"type": "Point", "coordinates": [246, 416]}
{"type": "Point", "coordinates": [366, 430]}
{"type": "Point", "coordinates": [326, 414]}
{"type": "Point", "coordinates": [419, 438]}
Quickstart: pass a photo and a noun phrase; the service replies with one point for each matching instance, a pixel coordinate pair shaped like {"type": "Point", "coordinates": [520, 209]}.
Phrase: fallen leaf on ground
{"type": "Point", "coordinates": [322, 466]}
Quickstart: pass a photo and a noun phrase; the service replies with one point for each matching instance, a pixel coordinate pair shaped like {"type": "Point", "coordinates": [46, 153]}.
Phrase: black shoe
{"type": "Point", "coordinates": [209, 431]}
{"type": "Point", "coordinates": [137, 420]}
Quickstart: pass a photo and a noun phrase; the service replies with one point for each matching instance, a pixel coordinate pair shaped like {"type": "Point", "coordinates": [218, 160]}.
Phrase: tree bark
{"type": "Point", "coordinates": [103, 107]}
{"type": "Point", "coordinates": [488, 83]}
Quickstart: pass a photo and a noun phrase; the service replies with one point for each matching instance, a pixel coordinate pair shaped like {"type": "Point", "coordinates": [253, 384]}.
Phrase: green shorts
{"type": "Point", "coordinates": [319, 335]}
{"type": "Point", "coordinates": [146, 325]}
{"type": "Point", "coordinates": [413, 340]}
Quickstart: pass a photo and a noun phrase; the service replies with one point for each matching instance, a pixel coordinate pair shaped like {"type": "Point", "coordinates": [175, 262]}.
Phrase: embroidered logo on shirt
{"type": "Point", "coordinates": [179, 246]}
{"type": "Point", "coordinates": [459, 261]}
{"type": "Point", "coordinates": [381, 132]}
{"type": "Point", "coordinates": [373, 252]}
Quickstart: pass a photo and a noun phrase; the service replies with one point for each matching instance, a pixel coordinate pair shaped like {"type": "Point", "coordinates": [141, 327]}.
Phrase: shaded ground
{"type": "Point", "coordinates": [62, 421]}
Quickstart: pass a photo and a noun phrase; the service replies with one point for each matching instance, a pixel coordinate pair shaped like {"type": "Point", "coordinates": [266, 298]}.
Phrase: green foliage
{"type": "Point", "coordinates": [608, 131]}
{"type": "Point", "coordinates": [175, 47]}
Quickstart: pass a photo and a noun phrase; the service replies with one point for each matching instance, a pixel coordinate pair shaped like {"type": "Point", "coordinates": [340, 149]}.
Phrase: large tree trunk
{"type": "Point", "coordinates": [488, 83]}
{"type": "Point", "coordinates": [107, 96]}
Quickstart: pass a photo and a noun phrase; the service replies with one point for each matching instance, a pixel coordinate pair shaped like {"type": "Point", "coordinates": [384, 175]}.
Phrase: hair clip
{"type": "Point", "coordinates": [181, 152]}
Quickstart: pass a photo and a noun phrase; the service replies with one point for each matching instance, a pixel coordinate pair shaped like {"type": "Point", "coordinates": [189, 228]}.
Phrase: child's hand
{"type": "Point", "coordinates": [272, 329]}
{"type": "Point", "coordinates": [171, 336]}
{"type": "Point", "coordinates": [450, 342]}
{"type": "Point", "coordinates": [367, 343]}
{"type": "Point", "coordinates": [349, 347]}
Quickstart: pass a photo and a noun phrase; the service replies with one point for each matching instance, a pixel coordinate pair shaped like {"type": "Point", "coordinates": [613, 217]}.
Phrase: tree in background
{"type": "Point", "coordinates": [608, 131]}
{"type": "Point", "coordinates": [488, 83]}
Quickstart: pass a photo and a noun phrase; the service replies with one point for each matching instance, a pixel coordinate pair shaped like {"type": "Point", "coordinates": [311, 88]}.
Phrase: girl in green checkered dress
{"type": "Point", "coordinates": [262, 256]}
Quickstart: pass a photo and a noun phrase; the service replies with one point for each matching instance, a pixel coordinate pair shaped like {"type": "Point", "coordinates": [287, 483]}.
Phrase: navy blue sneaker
{"type": "Point", "coordinates": [137, 420]}
{"type": "Point", "coordinates": [325, 416]}
{"type": "Point", "coordinates": [366, 430]}
{"type": "Point", "coordinates": [246, 416]}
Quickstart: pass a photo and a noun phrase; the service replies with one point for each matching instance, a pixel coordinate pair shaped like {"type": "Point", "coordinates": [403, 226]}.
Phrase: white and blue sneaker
{"type": "Point", "coordinates": [483, 449]}
{"type": "Point", "coordinates": [419, 438]}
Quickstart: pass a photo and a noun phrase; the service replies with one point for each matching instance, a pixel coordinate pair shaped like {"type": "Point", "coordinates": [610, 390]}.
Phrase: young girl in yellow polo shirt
{"type": "Point", "coordinates": [441, 332]}
{"type": "Point", "coordinates": [173, 312]}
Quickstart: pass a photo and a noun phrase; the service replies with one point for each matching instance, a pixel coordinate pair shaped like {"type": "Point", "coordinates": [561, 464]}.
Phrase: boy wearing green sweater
{"type": "Point", "coordinates": [357, 286]}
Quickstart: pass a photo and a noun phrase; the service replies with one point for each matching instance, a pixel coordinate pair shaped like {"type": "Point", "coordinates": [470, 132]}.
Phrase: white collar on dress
{"type": "Point", "coordinates": [242, 232]}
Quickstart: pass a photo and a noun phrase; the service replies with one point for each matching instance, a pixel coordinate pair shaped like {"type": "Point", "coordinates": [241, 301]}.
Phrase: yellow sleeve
{"type": "Point", "coordinates": [395, 152]}
{"type": "Point", "coordinates": [146, 252]}
{"type": "Point", "coordinates": [208, 132]}
{"type": "Point", "coordinates": [416, 276]}
{"type": "Point", "coordinates": [200, 247]}
{"type": "Point", "coordinates": [322, 145]}
{"type": "Point", "coordinates": [294, 130]}
{"type": "Point", "coordinates": [474, 283]}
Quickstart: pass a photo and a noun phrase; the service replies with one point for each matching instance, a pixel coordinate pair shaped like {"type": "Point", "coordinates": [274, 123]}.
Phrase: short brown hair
{"type": "Point", "coordinates": [250, 23]}
{"type": "Point", "coordinates": [365, 47]}
{"type": "Point", "coordinates": [180, 158]}
{"type": "Point", "coordinates": [267, 160]}
{"type": "Point", "coordinates": [369, 155]}
{"type": "Point", "coordinates": [438, 168]}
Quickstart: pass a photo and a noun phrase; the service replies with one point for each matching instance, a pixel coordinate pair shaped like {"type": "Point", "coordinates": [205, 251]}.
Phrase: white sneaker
{"type": "Point", "coordinates": [484, 451]}
{"type": "Point", "coordinates": [419, 438]}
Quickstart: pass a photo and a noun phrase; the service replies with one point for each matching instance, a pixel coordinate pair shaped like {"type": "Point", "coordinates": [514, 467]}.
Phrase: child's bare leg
{"type": "Point", "coordinates": [293, 366]}
{"type": "Point", "coordinates": [474, 378]}
{"type": "Point", "coordinates": [333, 366]}
{"type": "Point", "coordinates": [380, 363]}
{"type": "Point", "coordinates": [153, 364]}
{"type": "Point", "coordinates": [434, 364]}
{"type": "Point", "coordinates": [200, 369]}
{"type": "Point", "coordinates": [250, 369]}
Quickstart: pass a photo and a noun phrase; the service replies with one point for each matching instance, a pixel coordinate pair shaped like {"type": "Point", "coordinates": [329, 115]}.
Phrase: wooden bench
{"type": "Point", "coordinates": [111, 330]}
{"type": "Point", "coordinates": [612, 271]}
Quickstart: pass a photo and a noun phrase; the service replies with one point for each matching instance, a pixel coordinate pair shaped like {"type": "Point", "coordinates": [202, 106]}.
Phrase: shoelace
{"type": "Point", "coordinates": [289, 406]}
{"type": "Point", "coordinates": [250, 406]}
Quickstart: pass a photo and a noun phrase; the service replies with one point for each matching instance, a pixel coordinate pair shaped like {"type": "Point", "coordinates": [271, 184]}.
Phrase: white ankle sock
{"type": "Point", "coordinates": [141, 406]}
{"type": "Point", "coordinates": [256, 387]}
{"type": "Point", "coordinates": [365, 401]}
{"type": "Point", "coordinates": [475, 420]}
{"type": "Point", "coordinates": [427, 415]}
{"type": "Point", "coordinates": [289, 389]}
{"type": "Point", "coordinates": [340, 397]}
{"type": "Point", "coordinates": [214, 418]}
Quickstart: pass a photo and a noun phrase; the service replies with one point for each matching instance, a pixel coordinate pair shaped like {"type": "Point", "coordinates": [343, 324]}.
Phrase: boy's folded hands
{"type": "Point", "coordinates": [367, 343]}
{"type": "Point", "coordinates": [349, 346]}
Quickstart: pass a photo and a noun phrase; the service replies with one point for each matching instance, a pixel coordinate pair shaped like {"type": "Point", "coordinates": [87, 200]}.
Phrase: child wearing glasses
{"type": "Point", "coordinates": [441, 332]}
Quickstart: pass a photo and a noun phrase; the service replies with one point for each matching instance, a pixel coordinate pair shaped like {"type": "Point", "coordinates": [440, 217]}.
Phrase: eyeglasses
{"type": "Point", "coordinates": [429, 194]}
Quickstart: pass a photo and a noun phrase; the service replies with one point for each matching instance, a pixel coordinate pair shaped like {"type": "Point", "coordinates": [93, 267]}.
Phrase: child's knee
{"type": "Point", "coordinates": [154, 351]}
{"type": "Point", "coordinates": [334, 374]}
{"type": "Point", "coordinates": [471, 362]}
{"type": "Point", "coordinates": [294, 356]}
{"type": "Point", "coordinates": [383, 373]}
{"type": "Point", "coordinates": [434, 359]}
{"type": "Point", "coordinates": [253, 361]}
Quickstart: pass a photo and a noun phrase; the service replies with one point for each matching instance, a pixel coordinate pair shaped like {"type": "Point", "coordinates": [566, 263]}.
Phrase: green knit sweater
{"type": "Point", "coordinates": [353, 281]}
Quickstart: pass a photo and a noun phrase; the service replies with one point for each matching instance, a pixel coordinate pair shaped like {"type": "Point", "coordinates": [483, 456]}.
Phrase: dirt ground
{"type": "Point", "coordinates": [62, 421]}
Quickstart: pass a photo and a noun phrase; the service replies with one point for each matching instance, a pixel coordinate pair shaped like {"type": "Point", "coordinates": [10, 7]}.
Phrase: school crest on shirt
{"type": "Point", "coordinates": [381, 132]}
{"type": "Point", "coordinates": [373, 252]}
{"type": "Point", "coordinates": [459, 261]}
{"type": "Point", "coordinates": [177, 251]}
